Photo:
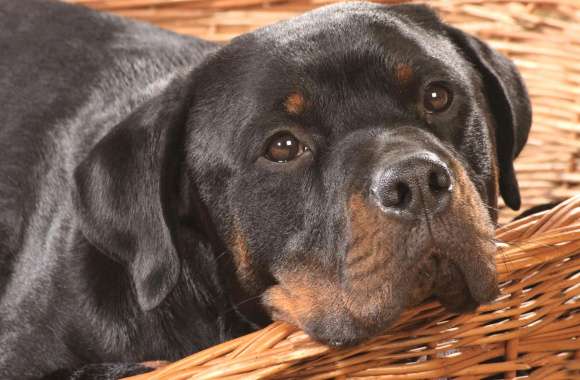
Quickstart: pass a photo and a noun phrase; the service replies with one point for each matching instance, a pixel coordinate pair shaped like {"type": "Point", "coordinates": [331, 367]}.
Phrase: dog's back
{"type": "Point", "coordinates": [67, 75]}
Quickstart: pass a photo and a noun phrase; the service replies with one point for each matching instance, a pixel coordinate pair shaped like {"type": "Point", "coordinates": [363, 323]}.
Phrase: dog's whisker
{"type": "Point", "coordinates": [491, 207]}
{"type": "Point", "coordinates": [218, 257]}
{"type": "Point", "coordinates": [235, 306]}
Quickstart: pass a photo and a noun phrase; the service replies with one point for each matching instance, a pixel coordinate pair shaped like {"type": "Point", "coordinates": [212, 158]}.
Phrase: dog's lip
{"type": "Point", "coordinates": [464, 284]}
{"type": "Point", "coordinates": [452, 290]}
{"type": "Point", "coordinates": [440, 276]}
{"type": "Point", "coordinates": [425, 278]}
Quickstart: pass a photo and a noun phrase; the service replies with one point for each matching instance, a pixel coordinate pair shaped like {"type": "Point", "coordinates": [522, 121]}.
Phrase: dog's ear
{"type": "Point", "coordinates": [509, 103]}
{"type": "Point", "coordinates": [124, 193]}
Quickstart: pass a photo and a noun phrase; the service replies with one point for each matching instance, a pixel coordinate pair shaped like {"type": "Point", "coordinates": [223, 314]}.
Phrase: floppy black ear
{"type": "Point", "coordinates": [509, 102]}
{"type": "Point", "coordinates": [124, 190]}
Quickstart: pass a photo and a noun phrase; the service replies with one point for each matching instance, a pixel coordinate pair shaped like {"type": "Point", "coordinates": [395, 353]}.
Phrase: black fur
{"type": "Point", "coordinates": [130, 157]}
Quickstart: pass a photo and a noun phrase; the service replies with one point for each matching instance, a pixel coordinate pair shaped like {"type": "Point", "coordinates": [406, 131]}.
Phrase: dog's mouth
{"type": "Point", "coordinates": [337, 314]}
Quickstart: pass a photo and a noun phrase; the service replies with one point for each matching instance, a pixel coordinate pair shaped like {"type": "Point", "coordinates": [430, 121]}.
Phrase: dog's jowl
{"type": "Point", "coordinates": [160, 194]}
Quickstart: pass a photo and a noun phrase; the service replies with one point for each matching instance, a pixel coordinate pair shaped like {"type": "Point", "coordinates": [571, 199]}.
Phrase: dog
{"type": "Point", "coordinates": [160, 194]}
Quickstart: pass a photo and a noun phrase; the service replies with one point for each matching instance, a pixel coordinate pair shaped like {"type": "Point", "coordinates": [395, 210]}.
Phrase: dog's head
{"type": "Point", "coordinates": [348, 161]}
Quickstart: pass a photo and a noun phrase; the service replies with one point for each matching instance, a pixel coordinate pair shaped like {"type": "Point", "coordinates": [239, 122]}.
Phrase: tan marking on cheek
{"type": "Point", "coordinates": [469, 217]}
{"type": "Point", "coordinates": [242, 257]}
{"type": "Point", "coordinates": [298, 300]}
{"type": "Point", "coordinates": [306, 295]}
{"type": "Point", "coordinates": [467, 203]}
{"type": "Point", "coordinates": [295, 103]}
{"type": "Point", "coordinates": [403, 73]}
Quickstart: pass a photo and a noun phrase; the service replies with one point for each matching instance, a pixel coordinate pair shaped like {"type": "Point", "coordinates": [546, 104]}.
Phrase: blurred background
{"type": "Point", "coordinates": [541, 36]}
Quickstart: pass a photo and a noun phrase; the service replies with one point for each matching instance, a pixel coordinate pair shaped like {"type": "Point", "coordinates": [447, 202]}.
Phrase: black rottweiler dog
{"type": "Point", "coordinates": [160, 194]}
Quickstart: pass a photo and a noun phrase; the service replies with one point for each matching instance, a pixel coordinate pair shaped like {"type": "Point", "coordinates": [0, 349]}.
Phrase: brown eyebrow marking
{"type": "Point", "coordinates": [403, 72]}
{"type": "Point", "coordinates": [295, 103]}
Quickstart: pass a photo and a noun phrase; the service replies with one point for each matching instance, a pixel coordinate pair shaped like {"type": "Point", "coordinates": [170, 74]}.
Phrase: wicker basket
{"type": "Point", "coordinates": [533, 329]}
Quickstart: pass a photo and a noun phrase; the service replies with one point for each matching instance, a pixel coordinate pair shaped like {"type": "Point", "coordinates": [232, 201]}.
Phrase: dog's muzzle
{"type": "Point", "coordinates": [416, 227]}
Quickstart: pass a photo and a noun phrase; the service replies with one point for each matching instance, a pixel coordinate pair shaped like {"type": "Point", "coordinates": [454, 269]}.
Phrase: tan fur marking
{"type": "Point", "coordinates": [468, 207]}
{"type": "Point", "coordinates": [242, 257]}
{"type": "Point", "coordinates": [403, 72]}
{"type": "Point", "coordinates": [467, 202]}
{"type": "Point", "coordinates": [300, 299]}
{"type": "Point", "coordinates": [303, 295]}
{"type": "Point", "coordinates": [295, 103]}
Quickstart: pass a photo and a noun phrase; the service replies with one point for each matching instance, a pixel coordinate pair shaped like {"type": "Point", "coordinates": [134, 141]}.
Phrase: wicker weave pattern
{"type": "Point", "coordinates": [542, 36]}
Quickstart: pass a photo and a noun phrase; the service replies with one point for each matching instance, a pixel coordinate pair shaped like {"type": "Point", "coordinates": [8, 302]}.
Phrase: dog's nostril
{"type": "Point", "coordinates": [439, 181]}
{"type": "Point", "coordinates": [404, 194]}
{"type": "Point", "coordinates": [398, 195]}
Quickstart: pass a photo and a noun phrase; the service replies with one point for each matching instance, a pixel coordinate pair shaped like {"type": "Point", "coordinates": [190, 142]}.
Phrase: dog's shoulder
{"type": "Point", "coordinates": [67, 75]}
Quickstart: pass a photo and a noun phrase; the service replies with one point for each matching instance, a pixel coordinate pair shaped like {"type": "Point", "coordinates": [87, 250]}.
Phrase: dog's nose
{"type": "Point", "coordinates": [414, 185]}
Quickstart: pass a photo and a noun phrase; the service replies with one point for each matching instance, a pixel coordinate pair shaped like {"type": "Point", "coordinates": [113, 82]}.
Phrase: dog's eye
{"type": "Point", "coordinates": [437, 98]}
{"type": "Point", "coordinates": [284, 147]}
